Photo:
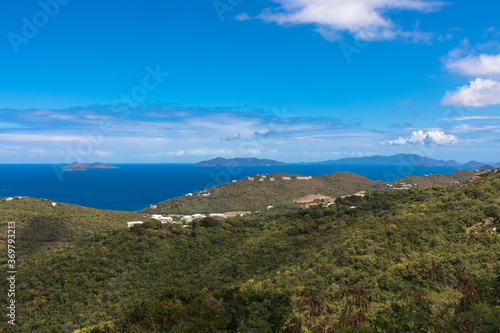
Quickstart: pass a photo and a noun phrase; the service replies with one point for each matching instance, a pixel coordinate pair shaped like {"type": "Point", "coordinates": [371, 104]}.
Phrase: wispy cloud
{"type": "Point", "coordinates": [160, 133]}
{"type": "Point", "coordinates": [473, 117]}
{"type": "Point", "coordinates": [366, 20]}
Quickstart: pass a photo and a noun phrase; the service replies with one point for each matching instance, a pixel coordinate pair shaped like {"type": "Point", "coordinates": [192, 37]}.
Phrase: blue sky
{"type": "Point", "coordinates": [293, 80]}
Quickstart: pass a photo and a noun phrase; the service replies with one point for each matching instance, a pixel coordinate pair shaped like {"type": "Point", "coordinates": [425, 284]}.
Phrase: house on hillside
{"type": "Point", "coordinates": [132, 223]}
{"type": "Point", "coordinates": [198, 216]}
{"type": "Point", "coordinates": [186, 218]}
{"type": "Point", "coordinates": [304, 178]}
{"type": "Point", "coordinates": [152, 206]}
{"type": "Point", "coordinates": [286, 178]}
{"type": "Point", "coordinates": [54, 204]}
{"type": "Point", "coordinates": [250, 178]}
{"type": "Point", "coordinates": [189, 194]}
{"type": "Point", "coordinates": [271, 179]}
{"type": "Point", "coordinates": [270, 207]}
{"type": "Point", "coordinates": [9, 199]}
{"type": "Point", "coordinates": [166, 219]}
{"type": "Point", "coordinates": [162, 219]}
{"type": "Point", "coordinates": [218, 216]}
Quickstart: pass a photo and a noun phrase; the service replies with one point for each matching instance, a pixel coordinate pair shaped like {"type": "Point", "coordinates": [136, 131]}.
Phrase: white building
{"type": "Point", "coordinates": [286, 178]}
{"type": "Point", "coordinates": [166, 219]}
{"type": "Point", "coordinates": [270, 207]}
{"type": "Point", "coordinates": [132, 223]}
{"type": "Point", "coordinates": [197, 216]}
{"type": "Point", "coordinates": [250, 178]}
{"type": "Point", "coordinates": [218, 216]}
{"type": "Point", "coordinates": [152, 206]}
{"type": "Point", "coordinates": [54, 204]}
{"type": "Point", "coordinates": [304, 178]}
{"type": "Point", "coordinates": [189, 195]}
{"type": "Point", "coordinates": [271, 179]}
{"type": "Point", "coordinates": [234, 181]}
{"type": "Point", "coordinates": [205, 195]}
{"type": "Point", "coordinates": [186, 218]}
{"type": "Point", "coordinates": [9, 199]}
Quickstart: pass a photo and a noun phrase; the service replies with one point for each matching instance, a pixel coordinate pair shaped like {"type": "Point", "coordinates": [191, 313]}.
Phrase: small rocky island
{"type": "Point", "coordinates": [82, 166]}
{"type": "Point", "coordinates": [219, 161]}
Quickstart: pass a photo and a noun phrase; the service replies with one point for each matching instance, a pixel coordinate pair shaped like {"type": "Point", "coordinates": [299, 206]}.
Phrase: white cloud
{"type": "Point", "coordinates": [364, 19]}
{"type": "Point", "coordinates": [481, 92]}
{"type": "Point", "coordinates": [475, 128]}
{"type": "Point", "coordinates": [232, 137]}
{"type": "Point", "coordinates": [477, 117]}
{"type": "Point", "coordinates": [484, 65]}
{"type": "Point", "coordinates": [424, 138]}
{"type": "Point", "coordinates": [103, 153]}
{"type": "Point", "coordinates": [28, 137]}
{"type": "Point", "coordinates": [39, 152]}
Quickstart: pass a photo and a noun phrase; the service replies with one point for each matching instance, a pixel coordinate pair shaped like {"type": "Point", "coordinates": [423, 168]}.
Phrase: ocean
{"type": "Point", "coordinates": [135, 186]}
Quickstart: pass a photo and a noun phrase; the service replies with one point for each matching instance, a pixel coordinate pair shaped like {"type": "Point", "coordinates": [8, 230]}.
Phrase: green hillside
{"type": "Point", "coordinates": [402, 261]}
{"type": "Point", "coordinates": [434, 179]}
{"type": "Point", "coordinates": [247, 195]}
{"type": "Point", "coordinates": [39, 224]}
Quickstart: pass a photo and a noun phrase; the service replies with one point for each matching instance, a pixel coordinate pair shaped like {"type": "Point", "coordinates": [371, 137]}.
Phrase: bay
{"type": "Point", "coordinates": [135, 186]}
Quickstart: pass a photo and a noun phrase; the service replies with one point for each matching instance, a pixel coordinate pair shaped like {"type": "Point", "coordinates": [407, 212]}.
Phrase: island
{"type": "Point", "coordinates": [250, 161]}
{"type": "Point", "coordinates": [84, 166]}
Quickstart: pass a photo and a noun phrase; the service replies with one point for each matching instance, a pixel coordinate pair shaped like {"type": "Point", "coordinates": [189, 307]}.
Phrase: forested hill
{"type": "Point", "coordinates": [402, 261]}
{"type": "Point", "coordinates": [41, 223]}
{"type": "Point", "coordinates": [287, 191]}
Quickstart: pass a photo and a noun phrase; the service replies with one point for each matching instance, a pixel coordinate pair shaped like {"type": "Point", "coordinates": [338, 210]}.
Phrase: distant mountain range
{"type": "Point", "coordinates": [219, 161]}
{"type": "Point", "coordinates": [409, 159]}
{"type": "Point", "coordinates": [399, 159]}
{"type": "Point", "coordinates": [81, 166]}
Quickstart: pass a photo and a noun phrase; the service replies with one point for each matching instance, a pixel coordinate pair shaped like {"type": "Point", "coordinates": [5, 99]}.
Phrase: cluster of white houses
{"type": "Point", "coordinates": [184, 219]}
{"type": "Point", "coordinates": [271, 179]}
{"type": "Point", "coordinates": [401, 186]}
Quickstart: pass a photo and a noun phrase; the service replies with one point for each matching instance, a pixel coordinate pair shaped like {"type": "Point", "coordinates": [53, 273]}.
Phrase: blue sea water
{"type": "Point", "coordinates": [136, 186]}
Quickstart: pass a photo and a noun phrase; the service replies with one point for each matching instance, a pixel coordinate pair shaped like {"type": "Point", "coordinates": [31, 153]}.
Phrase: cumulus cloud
{"type": "Point", "coordinates": [481, 92]}
{"type": "Point", "coordinates": [366, 20]}
{"type": "Point", "coordinates": [424, 138]}
{"type": "Point", "coordinates": [484, 65]}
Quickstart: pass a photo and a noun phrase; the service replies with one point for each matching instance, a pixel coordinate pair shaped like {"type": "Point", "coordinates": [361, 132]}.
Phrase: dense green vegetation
{"type": "Point", "coordinates": [402, 261]}
{"type": "Point", "coordinates": [245, 195]}
{"type": "Point", "coordinates": [40, 224]}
